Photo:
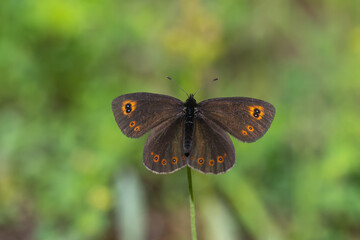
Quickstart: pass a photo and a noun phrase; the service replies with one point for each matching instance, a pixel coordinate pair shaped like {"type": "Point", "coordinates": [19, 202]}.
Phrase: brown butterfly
{"type": "Point", "coordinates": [189, 133]}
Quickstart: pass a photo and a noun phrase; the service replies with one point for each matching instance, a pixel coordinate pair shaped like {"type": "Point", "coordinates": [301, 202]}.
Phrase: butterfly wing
{"type": "Point", "coordinates": [163, 151]}
{"type": "Point", "coordinates": [247, 119]}
{"type": "Point", "coordinates": [212, 150]}
{"type": "Point", "coordinates": [137, 113]}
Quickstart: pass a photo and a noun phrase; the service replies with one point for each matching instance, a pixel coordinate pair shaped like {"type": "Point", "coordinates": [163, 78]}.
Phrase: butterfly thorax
{"type": "Point", "coordinates": [189, 105]}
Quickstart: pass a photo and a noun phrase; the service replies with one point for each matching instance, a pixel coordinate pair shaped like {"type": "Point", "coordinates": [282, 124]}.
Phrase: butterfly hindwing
{"type": "Point", "coordinates": [137, 113]}
{"type": "Point", "coordinates": [163, 151]}
{"type": "Point", "coordinates": [212, 151]}
{"type": "Point", "coordinates": [247, 119]}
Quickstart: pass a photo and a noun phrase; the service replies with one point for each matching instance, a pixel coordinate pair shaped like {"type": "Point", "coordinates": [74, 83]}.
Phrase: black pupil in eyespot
{"type": "Point", "coordinates": [128, 107]}
{"type": "Point", "coordinates": [256, 115]}
{"type": "Point", "coordinates": [257, 110]}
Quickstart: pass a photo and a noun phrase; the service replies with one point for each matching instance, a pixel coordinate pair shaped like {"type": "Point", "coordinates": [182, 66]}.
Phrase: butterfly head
{"type": "Point", "coordinates": [190, 101]}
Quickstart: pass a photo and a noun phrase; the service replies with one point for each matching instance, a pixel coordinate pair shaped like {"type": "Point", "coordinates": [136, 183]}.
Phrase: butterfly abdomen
{"type": "Point", "coordinates": [188, 130]}
{"type": "Point", "coordinates": [190, 105]}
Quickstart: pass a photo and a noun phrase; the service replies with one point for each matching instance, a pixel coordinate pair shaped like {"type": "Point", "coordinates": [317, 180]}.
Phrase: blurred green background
{"type": "Point", "coordinates": [67, 171]}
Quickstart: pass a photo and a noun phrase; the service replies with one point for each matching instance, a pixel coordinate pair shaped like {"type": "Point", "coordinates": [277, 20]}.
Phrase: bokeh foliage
{"type": "Point", "coordinates": [67, 172]}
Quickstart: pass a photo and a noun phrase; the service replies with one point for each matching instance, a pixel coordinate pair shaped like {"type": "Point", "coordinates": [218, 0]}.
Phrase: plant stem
{"type": "Point", "coordinates": [192, 205]}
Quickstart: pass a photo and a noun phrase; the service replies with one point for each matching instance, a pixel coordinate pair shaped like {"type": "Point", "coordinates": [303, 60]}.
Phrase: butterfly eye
{"type": "Point", "coordinates": [220, 159]}
{"type": "Point", "coordinates": [136, 129]}
{"type": "Point", "coordinates": [244, 132]}
{"type": "Point", "coordinates": [163, 162]}
{"type": "Point", "coordinates": [132, 123]}
{"type": "Point", "coordinates": [156, 158]}
{"type": "Point", "coordinates": [250, 128]}
{"type": "Point", "coordinates": [128, 106]}
{"type": "Point", "coordinates": [174, 160]}
{"type": "Point", "coordinates": [201, 161]}
{"type": "Point", "coordinates": [256, 112]}
{"type": "Point", "coordinates": [211, 162]}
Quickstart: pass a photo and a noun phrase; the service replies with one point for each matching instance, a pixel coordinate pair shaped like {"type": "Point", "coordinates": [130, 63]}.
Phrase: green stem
{"type": "Point", "coordinates": [192, 205]}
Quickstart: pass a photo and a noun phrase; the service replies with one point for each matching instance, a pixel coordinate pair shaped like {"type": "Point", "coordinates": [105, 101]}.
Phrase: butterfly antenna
{"type": "Point", "coordinates": [177, 85]}
{"type": "Point", "coordinates": [215, 79]}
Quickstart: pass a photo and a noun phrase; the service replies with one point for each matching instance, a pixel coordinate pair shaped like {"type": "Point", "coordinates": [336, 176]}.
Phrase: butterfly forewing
{"type": "Point", "coordinates": [137, 113]}
{"type": "Point", "coordinates": [212, 150]}
{"type": "Point", "coordinates": [163, 151]}
{"type": "Point", "coordinates": [247, 119]}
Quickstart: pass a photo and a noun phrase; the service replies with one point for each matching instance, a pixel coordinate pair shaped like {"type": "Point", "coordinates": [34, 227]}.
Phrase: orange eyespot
{"type": "Point", "coordinates": [136, 129]}
{"type": "Point", "coordinates": [220, 159]}
{"type": "Point", "coordinates": [174, 160]}
{"type": "Point", "coordinates": [132, 124]}
{"type": "Point", "coordinates": [244, 132]}
{"type": "Point", "coordinates": [212, 162]}
{"type": "Point", "coordinates": [256, 112]}
{"type": "Point", "coordinates": [152, 153]}
{"type": "Point", "coordinates": [128, 106]}
{"type": "Point", "coordinates": [200, 161]}
{"type": "Point", "coordinates": [156, 158]}
{"type": "Point", "coordinates": [163, 162]}
{"type": "Point", "coordinates": [250, 128]}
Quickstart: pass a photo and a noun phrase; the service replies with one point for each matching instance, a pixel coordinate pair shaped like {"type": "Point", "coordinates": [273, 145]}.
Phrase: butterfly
{"type": "Point", "coordinates": [190, 133]}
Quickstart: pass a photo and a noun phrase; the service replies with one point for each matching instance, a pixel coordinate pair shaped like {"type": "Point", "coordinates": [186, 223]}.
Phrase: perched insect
{"type": "Point", "coordinates": [190, 133]}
